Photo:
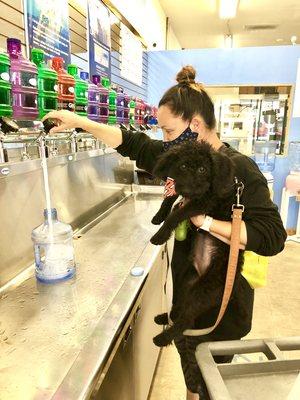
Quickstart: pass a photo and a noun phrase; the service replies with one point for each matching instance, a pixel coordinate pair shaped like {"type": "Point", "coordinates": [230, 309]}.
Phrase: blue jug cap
{"type": "Point", "coordinates": [84, 75]}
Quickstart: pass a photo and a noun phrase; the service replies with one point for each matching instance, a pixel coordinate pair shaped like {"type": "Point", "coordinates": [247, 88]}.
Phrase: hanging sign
{"type": "Point", "coordinates": [47, 27]}
{"type": "Point", "coordinates": [132, 57]}
{"type": "Point", "coordinates": [99, 38]}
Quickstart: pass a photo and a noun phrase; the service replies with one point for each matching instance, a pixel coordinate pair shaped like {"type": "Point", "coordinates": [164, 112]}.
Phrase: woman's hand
{"type": "Point", "coordinates": [65, 120]}
{"type": "Point", "coordinates": [198, 220]}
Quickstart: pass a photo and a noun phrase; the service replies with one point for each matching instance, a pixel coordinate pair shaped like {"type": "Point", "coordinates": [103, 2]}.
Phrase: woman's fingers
{"type": "Point", "coordinates": [59, 128]}
{"type": "Point", "coordinates": [52, 115]}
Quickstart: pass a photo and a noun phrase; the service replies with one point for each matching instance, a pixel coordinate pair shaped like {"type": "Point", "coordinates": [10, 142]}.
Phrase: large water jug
{"type": "Point", "coordinates": [264, 155]}
{"type": "Point", "coordinates": [93, 111]}
{"type": "Point", "coordinates": [5, 87]}
{"type": "Point", "coordinates": [112, 106]}
{"type": "Point", "coordinates": [103, 100]}
{"type": "Point", "coordinates": [139, 111]}
{"type": "Point", "coordinates": [23, 75]}
{"type": "Point", "coordinates": [47, 83]}
{"type": "Point", "coordinates": [126, 108]}
{"type": "Point", "coordinates": [66, 85]}
{"type": "Point", "coordinates": [53, 249]}
{"type": "Point", "coordinates": [132, 118]}
{"type": "Point", "coordinates": [81, 91]}
{"type": "Point", "coordinates": [120, 105]}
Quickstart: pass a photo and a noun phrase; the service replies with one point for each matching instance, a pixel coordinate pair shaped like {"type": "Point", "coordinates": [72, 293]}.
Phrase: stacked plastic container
{"type": "Point", "coordinates": [30, 89]}
{"type": "Point", "coordinates": [126, 108]}
{"type": "Point", "coordinates": [132, 111]}
{"type": "Point", "coordinates": [139, 111]}
{"type": "Point", "coordinates": [5, 87]}
{"type": "Point", "coordinates": [47, 83]}
{"type": "Point", "coordinates": [81, 91]}
{"type": "Point", "coordinates": [112, 102]}
{"type": "Point", "coordinates": [23, 76]}
{"type": "Point", "coordinates": [93, 110]}
{"type": "Point", "coordinates": [66, 85]}
{"type": "Point", "coordinates": [103, 99]}
{"type": "Point", "coordinates": [120, 105]}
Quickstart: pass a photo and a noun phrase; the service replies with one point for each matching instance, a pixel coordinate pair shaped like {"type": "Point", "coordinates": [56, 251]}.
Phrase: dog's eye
{"type": "Point", "coordinates": [201, 170]}
{"type": "Point", "coordinates": [183, 167]}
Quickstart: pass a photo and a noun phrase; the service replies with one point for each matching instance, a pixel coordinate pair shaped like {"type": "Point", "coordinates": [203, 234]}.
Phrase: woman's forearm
{"type": "Point", "coordinates": [222, 230]}
{"type": "Point", "coordinates": [110, 135]}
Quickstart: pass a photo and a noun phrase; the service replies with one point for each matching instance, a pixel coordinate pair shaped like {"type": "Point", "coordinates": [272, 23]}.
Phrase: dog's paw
{"type": "Point", "coordinates": [161, 319]}
{"type": "Point", "coordinates": [160, 237]}
{"type": "Point", "coordinates": [157, 219]}
{"type": "Point", "coordinates": [163, 339]}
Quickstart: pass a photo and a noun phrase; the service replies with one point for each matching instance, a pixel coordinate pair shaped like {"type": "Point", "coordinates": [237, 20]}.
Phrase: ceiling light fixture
{"type": "Point", "coordinates": [293, 40]}
{"type": "Point", "coordinates": [228, 9]}
{"type": "Point", "coordinates": [228, 41]}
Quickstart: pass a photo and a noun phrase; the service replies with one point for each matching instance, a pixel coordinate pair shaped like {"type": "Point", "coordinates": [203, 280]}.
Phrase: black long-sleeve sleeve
{"type": "Point", "coordinates": [139, 147]}
{"type": "Point", "coordinates": [265, 232]}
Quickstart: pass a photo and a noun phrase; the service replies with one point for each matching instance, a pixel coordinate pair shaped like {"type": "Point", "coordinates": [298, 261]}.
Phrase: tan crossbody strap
{"type": "Point", "coordinates": [231, 269]}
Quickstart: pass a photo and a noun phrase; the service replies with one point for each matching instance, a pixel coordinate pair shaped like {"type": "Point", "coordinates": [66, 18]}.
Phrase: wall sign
{"type": "Point", "coordinates": [99, 38]}
{"type": "Point", "coordinates": [47, 27]}
{"type": "Point", "coordinates": [132, 57]}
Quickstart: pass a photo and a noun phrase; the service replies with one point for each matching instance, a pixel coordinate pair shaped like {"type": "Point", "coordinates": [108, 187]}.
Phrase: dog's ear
{"type": "Point", "coordinates": [223, 177]}
{"type": "Point", "coordinates": [164, 163]}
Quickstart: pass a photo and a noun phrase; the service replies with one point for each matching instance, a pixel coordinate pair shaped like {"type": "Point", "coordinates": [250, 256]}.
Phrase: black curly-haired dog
{"type": "Point", "coordinates": [205, 178]}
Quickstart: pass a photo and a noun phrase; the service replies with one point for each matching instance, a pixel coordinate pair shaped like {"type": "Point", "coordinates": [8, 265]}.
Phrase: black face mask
{"type": "Point", "coordinates": [186, 136]}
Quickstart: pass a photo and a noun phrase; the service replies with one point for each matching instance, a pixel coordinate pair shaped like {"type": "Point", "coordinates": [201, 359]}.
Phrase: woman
{"type": "Point", "coordinates": [186, 112]}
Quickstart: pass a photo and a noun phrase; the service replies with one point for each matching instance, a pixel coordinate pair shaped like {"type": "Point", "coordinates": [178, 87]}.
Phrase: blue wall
{"type": "Point", "coordinates": [248, 65]}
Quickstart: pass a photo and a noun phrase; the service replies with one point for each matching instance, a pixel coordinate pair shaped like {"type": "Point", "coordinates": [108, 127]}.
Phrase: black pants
{"type": "Point", "coordinates": [186, 347]}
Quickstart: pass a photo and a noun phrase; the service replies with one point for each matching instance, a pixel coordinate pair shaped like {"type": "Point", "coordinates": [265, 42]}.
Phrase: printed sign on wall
{"type": "Point", "coordinates": [99, 38]}
{"type": "Point", "coordinates": [47, 26]}
{"type": "Point", "coordinates": [132, 57]}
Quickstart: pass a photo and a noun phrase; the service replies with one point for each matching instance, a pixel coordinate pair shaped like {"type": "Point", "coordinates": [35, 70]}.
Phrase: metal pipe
{"type": "Point", "coordinates": [2, 154]}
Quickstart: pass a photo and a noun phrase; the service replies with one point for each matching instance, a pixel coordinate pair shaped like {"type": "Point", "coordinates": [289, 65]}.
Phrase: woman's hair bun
{"type": "Point", "coordinates": [186, 75]}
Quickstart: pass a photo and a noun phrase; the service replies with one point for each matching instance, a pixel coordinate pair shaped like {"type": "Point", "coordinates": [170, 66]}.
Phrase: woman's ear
{"type": "Point", "coordinates": [223, 174]}
{"type": "Point", "coordinates": [197, 125]}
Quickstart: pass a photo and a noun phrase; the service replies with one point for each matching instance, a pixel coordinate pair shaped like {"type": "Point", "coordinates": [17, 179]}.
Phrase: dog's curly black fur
{"type": "Point", "coordinates": [206, 178]}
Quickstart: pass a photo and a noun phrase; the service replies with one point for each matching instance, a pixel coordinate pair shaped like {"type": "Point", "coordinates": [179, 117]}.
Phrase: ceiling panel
{"type": "Point", "coordinates": [196, 23]}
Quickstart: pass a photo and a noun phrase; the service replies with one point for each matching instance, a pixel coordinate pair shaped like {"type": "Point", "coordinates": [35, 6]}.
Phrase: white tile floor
{"type": "Point", "coordinates": [276, 314]}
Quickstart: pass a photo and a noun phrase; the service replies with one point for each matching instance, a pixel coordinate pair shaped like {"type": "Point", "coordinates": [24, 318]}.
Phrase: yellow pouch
{"type": "Point", "coordinates": [255, 269]}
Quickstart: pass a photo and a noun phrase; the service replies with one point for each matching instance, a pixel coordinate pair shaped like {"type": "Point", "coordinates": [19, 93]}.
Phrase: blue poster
{"type": "Point", "coordinates": [99, 38]}
{"type": "Point", "coordinates": [48, 27]}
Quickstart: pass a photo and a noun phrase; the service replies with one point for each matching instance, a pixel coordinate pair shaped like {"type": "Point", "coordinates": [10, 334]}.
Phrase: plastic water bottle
{"type": "Point", "coordinates": [5, 87]}
{"type": "Point", "coordinates": [47, 83]}
{"type": "Point", "coordinates": [132, 111]}
{"type": "Point", "coordinates": [53, 249]}
{"type": "Point", "coordinates": [81, 91]}
{"type": "Point", "coordinates": [23, 75]}
{"type": "Point", "coordinates": [66, 85]}
{"type": "Point", "coordinates": [112, 106]}
{"type": "Point", "coordinates": [103, 100]}
{"type": "Point", "coordinates": [93, 111]}
{"type": "Point", "coordinates": [126, 108]}
{"type": "Point", "coordinates": [120, 105]}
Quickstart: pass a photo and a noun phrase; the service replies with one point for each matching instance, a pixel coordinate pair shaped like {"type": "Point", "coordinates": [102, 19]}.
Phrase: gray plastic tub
{"type": "Point", "coordinates": [263, 369]}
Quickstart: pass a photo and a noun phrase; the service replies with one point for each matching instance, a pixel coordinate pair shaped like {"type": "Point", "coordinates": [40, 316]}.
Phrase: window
{"type": "Point", "coordinates": [247, 114]}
